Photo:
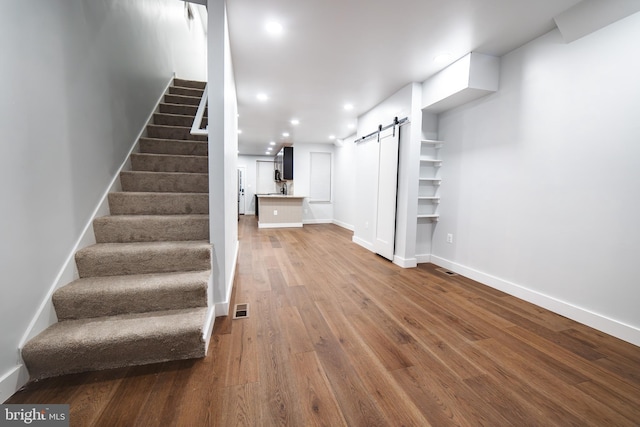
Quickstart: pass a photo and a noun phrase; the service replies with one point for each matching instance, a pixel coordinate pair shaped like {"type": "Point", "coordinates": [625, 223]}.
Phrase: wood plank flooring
{"type": "Point", "coordinates": [339, 336]}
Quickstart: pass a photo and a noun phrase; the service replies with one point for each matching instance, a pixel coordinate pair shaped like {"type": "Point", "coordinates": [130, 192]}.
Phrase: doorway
{"type": "Point", "coordinates": [242, 173]}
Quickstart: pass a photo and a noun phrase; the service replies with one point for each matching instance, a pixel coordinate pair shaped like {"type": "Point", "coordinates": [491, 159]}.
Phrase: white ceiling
{"type": "Point", "coordinates": [336, 51]}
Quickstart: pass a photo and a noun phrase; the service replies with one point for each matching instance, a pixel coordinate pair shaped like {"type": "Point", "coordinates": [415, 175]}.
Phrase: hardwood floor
{"type": "Point", "coordinates": [339, 336]}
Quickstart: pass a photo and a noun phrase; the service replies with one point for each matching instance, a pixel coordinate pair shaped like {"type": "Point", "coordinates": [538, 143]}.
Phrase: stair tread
{"type": "Point", "coordinates": [114, 295]}
{"type": "Point", "coordinates": [133, 247]}
{"type": "Point", "coordinates": [183, 96]}
{"type": "Point", "coordinates": [173, 114]}
{"type": "Point", "coordinates": [158, 203]}
{"type": "Point", "coordinates": [173, 140]}
{"type": "Point", "coordinates": [169, 126]}
{"type": "Point", "coordinates": [114, 341]}
{"type": "Point", "coordinates": [156, 193]}
{"type": "Point", "coordinates": [166, 156]}
{"type": "Point", "coordinates": [180, 82]}
{"type": "Point", "coordinates": [116, 284]}
{"type": "Point", "coordinates": [151, 228]}
{"type": "Point", "coordinates": [110, 328]}
{"type": "Point", "coordinates": [153, 217]}
{"type": "Point", "coordinates": [170, 182]}
{"type": "Point", "coordinates": [164, 173]}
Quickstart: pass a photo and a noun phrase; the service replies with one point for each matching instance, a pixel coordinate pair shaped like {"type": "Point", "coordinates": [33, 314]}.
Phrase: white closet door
{"type": "Point", "coordinates": [387, 191]}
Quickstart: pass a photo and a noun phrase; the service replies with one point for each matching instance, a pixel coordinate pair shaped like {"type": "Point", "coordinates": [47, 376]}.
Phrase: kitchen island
{"type": "Point", "coordinates": [279, 210]}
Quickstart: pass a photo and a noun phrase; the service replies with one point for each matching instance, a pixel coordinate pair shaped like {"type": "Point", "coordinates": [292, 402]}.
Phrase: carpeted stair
{"type": "Point", "coordinates": [142, 292]}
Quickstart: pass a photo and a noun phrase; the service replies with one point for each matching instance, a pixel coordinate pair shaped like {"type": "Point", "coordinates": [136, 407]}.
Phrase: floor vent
{"type": "Point", "coordinates": [447, 272]}
{"type": "Point", "coordinates": [240, 311]}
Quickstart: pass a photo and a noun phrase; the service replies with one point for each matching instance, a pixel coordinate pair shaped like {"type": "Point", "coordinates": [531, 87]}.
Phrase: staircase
{"type": "Point", "coordinates": [142, 293]}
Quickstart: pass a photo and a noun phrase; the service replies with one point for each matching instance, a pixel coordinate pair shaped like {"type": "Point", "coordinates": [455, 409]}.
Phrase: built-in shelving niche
{"type": "Point", "coordinates": [429, 180]}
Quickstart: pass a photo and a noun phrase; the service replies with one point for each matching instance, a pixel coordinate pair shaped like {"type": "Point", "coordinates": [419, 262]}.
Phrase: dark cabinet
{"type": "Point", "coordinates": [284, 163]}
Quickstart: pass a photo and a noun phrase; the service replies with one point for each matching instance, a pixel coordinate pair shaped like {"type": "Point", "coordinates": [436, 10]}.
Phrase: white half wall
{"type": "Point", "coordinates": [81, 79]}
{"type": "Point", "coordinates": [540, 181]}
{"type": "Point", "coordinates": [223, 157]}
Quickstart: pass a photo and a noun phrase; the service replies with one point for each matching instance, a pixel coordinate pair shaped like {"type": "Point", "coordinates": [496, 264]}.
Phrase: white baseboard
{"type": "Point", "coordinates": [363, 243]}
{"type": "Point", "coordinates": [405, 262]}
{"type": "Point", "coordinates": [317, 221]}
{"type": "Point", "coordinates": [222, 308]}
{"type": "Point", "coordinates": [424, 258]}
{"type": "Point", "coordinates": [279, 225]}
{"type": "Point", "coordinates": [597, 321]}
{"type": "Point", "coordinates": [343, 225]}
{"type": "Point", "coordinates": [45, 316]}
{"type": "Point", "coordinates": [11, 381]}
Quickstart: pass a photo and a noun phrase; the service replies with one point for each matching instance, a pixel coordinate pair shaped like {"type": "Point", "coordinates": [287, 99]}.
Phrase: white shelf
{"type": "Point", "coordinates": [433, 143]}
{"type": "Point", "coordinates": [429, 216]}
{"type": "Point", "coordinates": [434, 199]}
{"type": "Point", "coordinates": [430, 160]}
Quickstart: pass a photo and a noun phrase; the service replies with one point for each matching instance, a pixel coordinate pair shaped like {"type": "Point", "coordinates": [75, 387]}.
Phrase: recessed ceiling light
{"type": "Point", "coordinates": [285, 134]}
{"type": "Point", "coordinates": [273, 27]}
{"type": "Point", "coordinates": [270, 148]}
{"type": "Point", "coordinates": [239, 131]}
{"type": "Point", "coordinates": [348, 107]}
{"type": "Point", "coordinates": [267, 153]}
{"type": "Point", "coordinates": [272, 143]}
{"type": "Point", "coordinates": [262, 97]}
{"type": "Point", "coordinates": [442, 58]}
{"type": "Point", "coordinates": [332, 137]}
{"type": "Point", "coordinates": [351, 126]}
{"type": "Point", "coordinates": [295, 122]}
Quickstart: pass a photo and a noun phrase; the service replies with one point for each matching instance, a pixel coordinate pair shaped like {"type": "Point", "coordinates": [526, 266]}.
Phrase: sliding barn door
{"type": "Point", "coordinates": [385, 234]}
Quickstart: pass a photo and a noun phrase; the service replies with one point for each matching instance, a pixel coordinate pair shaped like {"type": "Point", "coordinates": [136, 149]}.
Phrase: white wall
{"type": "Point", "coordinates": [80, 79]}
{"type": "Point", "coordinates": [249, 162]}
{"type": "Point", "coordinates": [312, 212]}
{"type": "Point", "coordinates": [344, 207]}
{"type": "Point", "coordinates": [541, 181]}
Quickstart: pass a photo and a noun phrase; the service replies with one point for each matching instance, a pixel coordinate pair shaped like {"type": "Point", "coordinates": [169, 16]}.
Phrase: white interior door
{"type": "Point", "coordinates": [241, 184]}
{"type": "Point", "coordinates": [385, 230]}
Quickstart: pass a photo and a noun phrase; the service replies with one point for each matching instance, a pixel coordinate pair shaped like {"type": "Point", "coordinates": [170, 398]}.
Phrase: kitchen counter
{"type": "Point", "coordinates": [279, 210]}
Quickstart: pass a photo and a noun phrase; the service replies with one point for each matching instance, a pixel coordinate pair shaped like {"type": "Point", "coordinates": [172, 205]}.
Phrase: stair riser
{"type": "Point", "coordinates": [168, 146]}
{"type": "Point", "coordinates": [120, 262]}
{"type": "Point", "coordinates": [172, 120]}
{"type": "Point", "coordinates": [171, 132]}
{"type": "Point", "coordinates": [179, 99]}
{"type": "Point", "coordinates": [155, 163]}
{"type": "Point", "coordinates": [185, 91]}
{"type": "Point", "coordinates": [119, 229]}
{"type": "Point", "coordinates": [183, 110]}
{"type": "Point", "coordinates": [158, 204]}
{"type": "Point", "coordinates": [138, 299]}
{"type": "Point", "coordinates": [189, 83]}
{"type": "Point", "coordinates": [165, 182]}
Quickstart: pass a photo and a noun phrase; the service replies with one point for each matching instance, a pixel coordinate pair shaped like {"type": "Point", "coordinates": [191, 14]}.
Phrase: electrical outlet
{"type": "Point", "coordinates": [449, 238]}
{"type": "Point", "coordinates": [275, 212]}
